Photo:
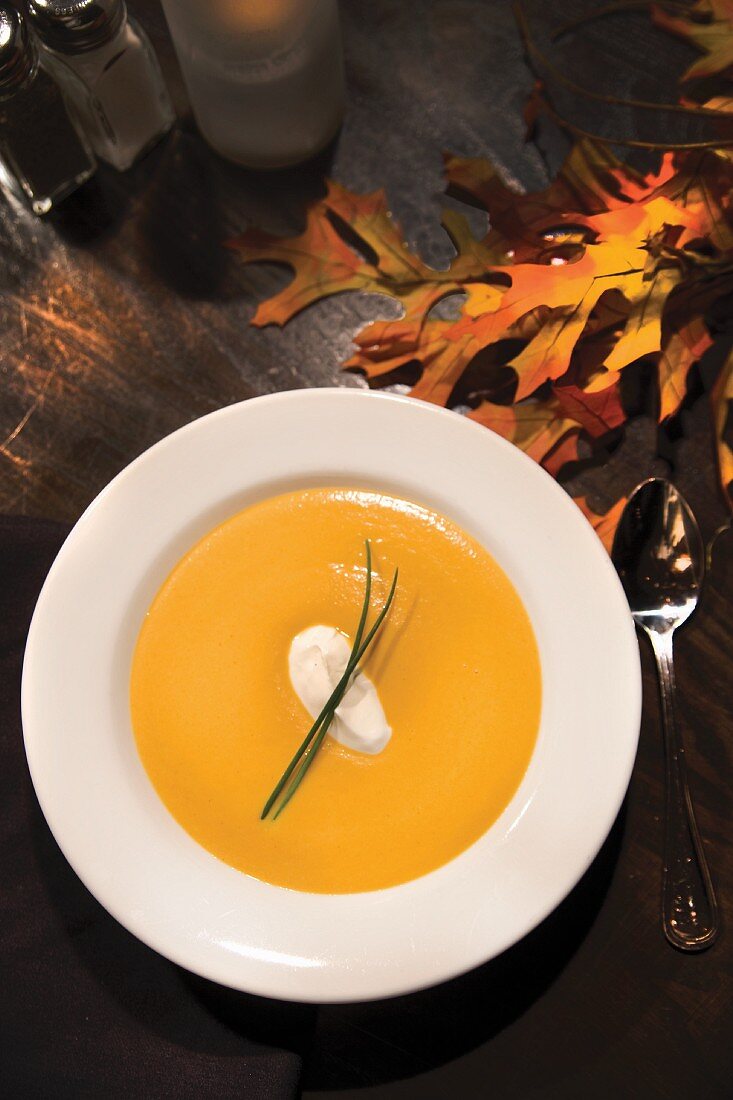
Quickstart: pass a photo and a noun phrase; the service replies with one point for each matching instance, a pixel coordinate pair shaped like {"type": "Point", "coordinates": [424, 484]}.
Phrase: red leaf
{"type": "Point", "coordinates": [599, 411]}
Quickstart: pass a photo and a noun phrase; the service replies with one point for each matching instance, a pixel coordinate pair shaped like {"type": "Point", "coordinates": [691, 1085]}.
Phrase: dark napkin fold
{"type": "Point", "coordinates": [86, 1010]}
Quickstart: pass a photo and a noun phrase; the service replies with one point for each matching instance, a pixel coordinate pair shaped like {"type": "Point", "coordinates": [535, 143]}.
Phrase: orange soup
{"type": "Point", "coordinates": [455, 666]}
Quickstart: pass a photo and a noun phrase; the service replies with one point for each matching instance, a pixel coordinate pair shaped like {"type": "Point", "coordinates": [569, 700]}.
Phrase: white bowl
{"type": "Point", "coordinates": [233, 929]}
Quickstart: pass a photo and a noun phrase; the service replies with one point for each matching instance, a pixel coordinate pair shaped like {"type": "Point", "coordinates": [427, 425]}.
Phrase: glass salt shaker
{"type": "Point", "coordinates": [126, 108]}
{"type": "Point", "coordinates": [41, 142]}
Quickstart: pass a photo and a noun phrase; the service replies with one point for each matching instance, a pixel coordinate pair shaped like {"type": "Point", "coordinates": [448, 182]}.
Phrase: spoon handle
{"type": "Point", "coordinates": [689, 908]}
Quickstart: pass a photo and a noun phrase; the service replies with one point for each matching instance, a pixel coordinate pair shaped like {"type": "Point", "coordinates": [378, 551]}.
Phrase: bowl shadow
{"type": "Point", "coordinates": [382, 1041]}
{"type": "Point", "coordinates": [194, 199]}
{"type": "Point", "coordinates": [376, 1042]}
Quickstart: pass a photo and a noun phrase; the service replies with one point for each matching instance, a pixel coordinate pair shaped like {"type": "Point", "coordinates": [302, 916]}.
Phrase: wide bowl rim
{"type": "Point", "coordinates": [313, 982]}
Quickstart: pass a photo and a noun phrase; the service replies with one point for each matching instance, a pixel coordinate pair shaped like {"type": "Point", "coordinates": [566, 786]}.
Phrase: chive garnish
{"type": "Point", "coordinates": [314, 738]}
{"type": "Point", "coordinates": [343, 681]}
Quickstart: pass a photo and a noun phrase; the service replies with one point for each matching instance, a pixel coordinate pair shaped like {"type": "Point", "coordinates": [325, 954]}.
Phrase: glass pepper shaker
{"type": "Point", "coordinates": [126, 108]}
{"type": "Point", "coordinates": [40, 141]}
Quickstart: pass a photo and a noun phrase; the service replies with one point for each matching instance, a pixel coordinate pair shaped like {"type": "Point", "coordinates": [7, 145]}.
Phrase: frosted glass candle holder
{"type": "Point", "coordinates": [265, 77]}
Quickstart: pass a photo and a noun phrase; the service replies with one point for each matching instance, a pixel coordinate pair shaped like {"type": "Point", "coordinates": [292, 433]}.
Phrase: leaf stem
{"type": "Point", "coordinates": [630, 142]}
{"type": "Point", "coordinates": [535, 56]}
{"type": "Point", "coordinates": [614, 9]}
{"type": "Point", "coordinates": [620, 101]}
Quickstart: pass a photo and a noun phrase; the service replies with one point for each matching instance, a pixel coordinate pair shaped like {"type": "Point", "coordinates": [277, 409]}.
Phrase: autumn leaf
{"type": "Point", "coordinates": [721, 103]}
{"type": "Point", "coordinates": [511, 277]}
{"type": "Point", "coordinates": [721, 397]}
{"type": "Point", "coordinates": [569, 287]}
{"type": "Point", "coordinates": [701, 186]}
{"type": "Point", "coordinates": [591, 181]}
{"type": "Point", "coordinates": [605, 523]}
{"type": "Point", "coordinates": [597, 411]}
{"type": "Point", "coordinates": [548, 431]}
{"type": "Point", "coordinates": [685, 336]}
{"type": "Point", "coordinates": [536, 427]}
{"type": "Point", "coordinates": [329, 257]}
{"type": "Point", "coordinates": [627, 254]}
{"type": "Point", "coordinates": [679, 354]}
{"type": "Point", "coordinates": [708, 24]}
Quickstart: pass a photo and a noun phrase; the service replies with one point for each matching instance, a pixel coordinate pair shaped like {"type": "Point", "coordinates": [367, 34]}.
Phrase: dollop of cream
{"type": "Point", "coordinates": [317, 660]}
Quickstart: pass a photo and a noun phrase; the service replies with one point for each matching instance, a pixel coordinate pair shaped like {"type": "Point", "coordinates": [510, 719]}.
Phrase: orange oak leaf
{"type": "Point", "coordinates": [701, 186]}
{"type": "Point", "coordinates": [598, 411]}
{"type": "Point", "coordinates": [536, 427]}
{"type": "Point", "coordinates": [685, 336]}
{"type": "Point", "coordinates": [603, 524]}
{"type": "Point", "coordinates": [619, 259]}
{"type": "Point", "coordinates": [708, 24]}
{"type": "Point", "coordinates": [351, 242]}
{"type": "Point", "coordinates": [721, 398]}
{"type": "Point", "coordinates": [590, 181]}
{"type": "Point", "coordinates": [566, 451]}
{"type": "Point", "coordinates": [537, 277]}
{"type": "Point", "coordinates": [322, 261]}
{"type": "Point", "coordinates": [385, 346]}
{"type": "Point", "coordinates": [567, 289]}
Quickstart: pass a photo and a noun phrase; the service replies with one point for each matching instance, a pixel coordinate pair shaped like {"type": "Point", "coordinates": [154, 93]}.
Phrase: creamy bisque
{"type": "Point", "coordinates": [456, 666]}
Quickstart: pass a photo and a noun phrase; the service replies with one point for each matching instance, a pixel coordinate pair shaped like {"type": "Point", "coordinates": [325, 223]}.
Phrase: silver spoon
{"type": "Point", "coordinates": [658, 553]}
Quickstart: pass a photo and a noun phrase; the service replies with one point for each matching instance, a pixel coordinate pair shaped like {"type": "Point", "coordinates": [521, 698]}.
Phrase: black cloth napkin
{"type": "Point", "coordinates": [86, 1010]}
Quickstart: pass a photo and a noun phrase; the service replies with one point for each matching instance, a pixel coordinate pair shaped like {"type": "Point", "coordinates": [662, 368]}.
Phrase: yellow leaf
{"type": "Point", "coordinates": [708, 25]}
{"type": "Point", "coordinates": [682, 351]}
{"type": "Point", "coordinates": [721, 397]}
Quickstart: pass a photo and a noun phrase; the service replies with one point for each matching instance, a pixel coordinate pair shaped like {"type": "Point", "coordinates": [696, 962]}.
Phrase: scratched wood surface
{"type": "Point", "coordinates": [122, 318]}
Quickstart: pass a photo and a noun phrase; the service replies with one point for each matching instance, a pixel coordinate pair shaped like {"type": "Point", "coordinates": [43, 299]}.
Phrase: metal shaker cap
{"type": "Point", "coordinates": [75, 26]}
{"type": "Point", "coordinates": [17, 52]}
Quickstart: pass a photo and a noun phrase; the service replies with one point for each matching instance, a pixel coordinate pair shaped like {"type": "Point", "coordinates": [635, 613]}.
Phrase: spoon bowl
{"type": "Point", "coordinates": [659, 556]}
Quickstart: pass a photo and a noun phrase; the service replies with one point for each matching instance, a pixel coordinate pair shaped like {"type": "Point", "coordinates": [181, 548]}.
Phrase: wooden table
{"type": "Point", "coordinates": [124, 318]}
